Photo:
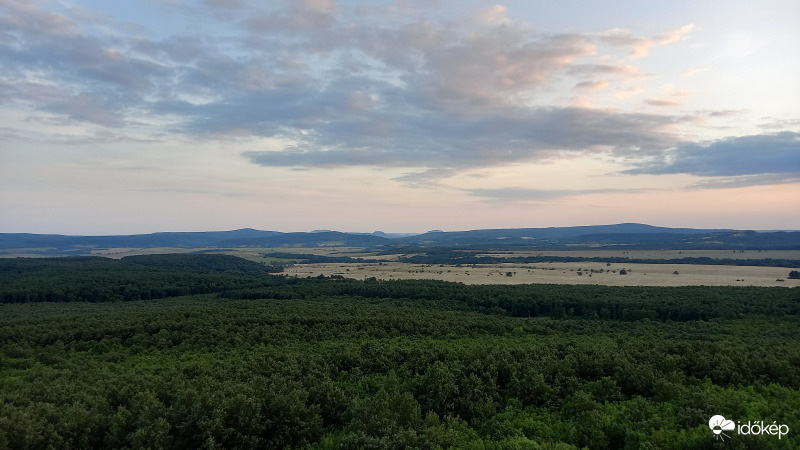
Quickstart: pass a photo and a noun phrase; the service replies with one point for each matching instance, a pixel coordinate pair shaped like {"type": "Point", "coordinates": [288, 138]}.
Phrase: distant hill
{"type": "Point", "coordinates": [177, 239]}
{"type": "Point", "coordinates": [547, 236]}
{"type": "Point", "coordinates": [619, 236]}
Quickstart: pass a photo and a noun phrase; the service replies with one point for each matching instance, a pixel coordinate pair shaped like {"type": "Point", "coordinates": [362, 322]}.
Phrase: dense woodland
{"type": "Point", "coordinates": [451, 256]}
{"type": "Point", "coordinates": [210, 351]}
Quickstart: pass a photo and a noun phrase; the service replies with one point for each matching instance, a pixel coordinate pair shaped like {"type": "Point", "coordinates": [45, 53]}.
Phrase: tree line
{"type": "Point", "coordinates": [464, 257]}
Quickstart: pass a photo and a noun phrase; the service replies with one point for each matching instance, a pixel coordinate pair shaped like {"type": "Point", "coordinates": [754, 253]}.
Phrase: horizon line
{"type": "Point", "coordinates": [400, 232]}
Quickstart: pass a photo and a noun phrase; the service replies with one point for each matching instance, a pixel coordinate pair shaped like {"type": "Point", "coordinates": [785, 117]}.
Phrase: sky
{"type": "Point", "coordinates": [143, 116]}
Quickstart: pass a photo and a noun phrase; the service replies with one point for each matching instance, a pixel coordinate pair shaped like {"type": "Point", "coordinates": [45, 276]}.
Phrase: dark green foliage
{"type": "Point", "coordinates": [261, 361]}
{"type": "Point", "coordinates": [202, 263]}
{"type": "Point", "coordinates": [557, 301]}
{"type": "Point", "coordinates": [308, 258]}
{"type": "Point", "coordinates": [461, 256]}
{"type": "Point", "coordinates": [96, 279]}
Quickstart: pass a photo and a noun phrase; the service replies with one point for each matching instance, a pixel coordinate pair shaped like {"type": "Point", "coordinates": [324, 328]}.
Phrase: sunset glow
{"type": "Point", "coordinates": [401, 116]}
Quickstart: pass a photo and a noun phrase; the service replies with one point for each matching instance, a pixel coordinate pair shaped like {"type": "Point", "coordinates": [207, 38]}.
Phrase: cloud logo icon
{"type": "Point", "coordinates": [718, 424]}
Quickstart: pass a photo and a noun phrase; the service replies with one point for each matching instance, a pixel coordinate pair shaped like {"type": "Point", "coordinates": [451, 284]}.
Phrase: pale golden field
{"type": "Point", "coordinates": [653, 254]}
{"type": "Point", "coordinates": [256, 253]}
{"type": "Point", "coordinates": [559, 273]}
{"type": "Point", "coordinates": [554, 272]}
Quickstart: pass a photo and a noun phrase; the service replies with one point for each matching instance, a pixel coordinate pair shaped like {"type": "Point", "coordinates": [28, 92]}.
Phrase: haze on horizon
{"type": "Point", "coordinates": [401, 116]}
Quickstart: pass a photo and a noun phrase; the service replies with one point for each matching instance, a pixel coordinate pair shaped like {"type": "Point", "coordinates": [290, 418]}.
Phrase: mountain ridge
{"type": "Point", "coordinates": [623, 235]}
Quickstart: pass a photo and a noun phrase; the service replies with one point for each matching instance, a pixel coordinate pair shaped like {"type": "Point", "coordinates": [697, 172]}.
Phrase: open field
{"type": "Point", "coordinates": [359, 252]}
{"type": "Point", "coordinates": [559, 273]}
{"type": "Point", "coordinates": [548, 272]}
{"type": "Point", "coordinates": [652, 254]}
{"type": "Point", "coordinates": [254, 253]}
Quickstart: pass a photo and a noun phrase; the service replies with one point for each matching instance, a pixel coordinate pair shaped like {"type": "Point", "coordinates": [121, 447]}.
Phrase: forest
{"type": "Point", "coordinates": [452, 256]}
{"type": "Point", "coordinates": [214, 351]}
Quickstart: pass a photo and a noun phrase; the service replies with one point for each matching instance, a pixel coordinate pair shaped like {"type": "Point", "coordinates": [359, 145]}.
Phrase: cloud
{"type": "Point", "coordinates": [727, 113]}
{"type": "Point", "coordinates": [310, 22]}
{"type": "Point", "coordinates": [494, 15]}
{"type": "Point", "coordinates": [777, 153]}
{"type": "Point", "coordinates": [484, 68]}
{"type": "Point", "coordinates": [85, 107]}
{"type": "Point", "coordinates": [439, 144]}
{"type": "Point", "coordinates": [779, 124]}
{"type": "Point", "coordinates": [592, 85]}
{"type": "Point", "coordinates": [640, 46]}
{"type": "Point", "coordinates": [672, 99]}
{"type": "Point", "coordinates": [225, 4]}
{"type": "Point", "coordinates": [662, 102]}
{"type": "Point", "coordinates": [580, 101]}
{"type": "Point", "coordinates": [57, 67]}
{"type": "Point", "coordinates": [674, 35]}
{"type": "Point", "coordinates": [10, 134]}
{"type": "Point", "coordinates": [410, 8]}
{"type": "Point", "coordinates": [695, 72]}
{"type": "Point", "coordinates": [295, 57]}
{"type": "Point", "coordinates": [433, 97]}
{"type": "Point", "coordinates": [516, 194]}
{"type": "Point", "coordinates": [629, 91]}
{"type": "Point", "coordinates": [24, 16]}
{"type": "Point", "coordinates": [427, 178]}
{"type": "Point", "coordinates": [746, 181]}
{"type": "Point", "coordinates": [619, 70]}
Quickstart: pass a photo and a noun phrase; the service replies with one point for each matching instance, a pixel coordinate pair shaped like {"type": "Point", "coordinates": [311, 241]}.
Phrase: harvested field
{"type": "Point", "coordinates": [560, 273]}
{"type": "Point", "coordinates": [652, 254]}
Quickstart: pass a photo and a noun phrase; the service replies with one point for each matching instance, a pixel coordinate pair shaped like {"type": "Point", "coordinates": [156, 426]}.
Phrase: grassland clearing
{"type": "Point", "coordinates": [388, 267]}
{"type": "Point", "coordinates": [558, 273]}
{"type": "Point", "coordinates": [651, 254]}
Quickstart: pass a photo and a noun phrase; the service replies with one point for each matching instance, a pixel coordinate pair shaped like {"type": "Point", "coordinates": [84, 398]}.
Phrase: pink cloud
{"type": "Point", "coordinates": [629, 91]}
{"type": "Point", "coordinates": [494, 15]}
{"type": "Point", "coordinates": [592, 85]}
{"type": "Point", "coordinates": [640, 46]}
{"type": "Point", "coordinates": [661, 102]}
{"type": "Point", "coordinates": [673, 99]}
{"type": "Point", "coordinates": [25, 16]}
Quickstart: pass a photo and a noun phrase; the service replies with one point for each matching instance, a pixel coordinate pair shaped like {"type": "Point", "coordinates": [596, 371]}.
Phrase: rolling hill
{"type": "Point", "coordinates": [618, 236]}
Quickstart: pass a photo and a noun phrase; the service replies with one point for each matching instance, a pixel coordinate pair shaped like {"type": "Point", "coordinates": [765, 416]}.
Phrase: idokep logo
{"type": "Point", "coordinates": [719, 425]}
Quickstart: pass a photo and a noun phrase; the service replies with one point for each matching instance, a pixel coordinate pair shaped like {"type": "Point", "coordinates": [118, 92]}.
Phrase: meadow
{"type": "Point", "coordinates": [662, 268]}
{"type": "Point", "coordinates": [558, 273]}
